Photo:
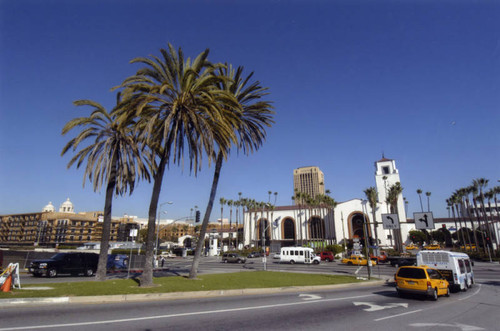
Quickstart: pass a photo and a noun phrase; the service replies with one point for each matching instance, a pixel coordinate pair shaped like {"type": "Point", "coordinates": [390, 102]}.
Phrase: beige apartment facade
{"type": "Point", "coordinates": [52, 228]}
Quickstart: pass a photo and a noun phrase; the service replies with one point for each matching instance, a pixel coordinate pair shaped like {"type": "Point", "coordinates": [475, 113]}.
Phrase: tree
{"type": "Point", "coordinates": [178, 105]}
{"type": "Point", "coordinates": [253, 117]}
{"type": "Point", "coordinates": [417, 237]}
{"type": "Point", "coordinates": [428, 195]}
{"type": "Point", "coordinates": [113, 156]}
{"type": "Point", "coordinates": [372, 197]}
{"type": "Point", "coordinates": [222, 202]}
{"type": "Point", "coordinates": [392, 199]}
{"type": "Point", "coordinates": [419, 192]}
{"type": "Point", "coordinates": [230, 204]}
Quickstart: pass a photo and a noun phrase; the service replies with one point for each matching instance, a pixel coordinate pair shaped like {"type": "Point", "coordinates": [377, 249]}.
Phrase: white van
{"type": "Point", "coordinates": [456, 267]}
{"type": "Point", "coordinates": [298, 255]}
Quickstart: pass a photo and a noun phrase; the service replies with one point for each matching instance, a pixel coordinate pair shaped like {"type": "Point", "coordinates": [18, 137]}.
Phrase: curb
{"type": "Point", "coordinates": [4, 303]}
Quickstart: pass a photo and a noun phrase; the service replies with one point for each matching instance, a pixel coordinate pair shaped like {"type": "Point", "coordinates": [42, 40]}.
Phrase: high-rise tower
{"type": "Point", "coordinates": [309, 180]}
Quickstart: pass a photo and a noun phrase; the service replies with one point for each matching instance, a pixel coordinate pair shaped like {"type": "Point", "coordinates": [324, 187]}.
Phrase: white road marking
{"type": "Point", "coordinates": [462, 327]}
{"type": "Point", "coordinates": [182, 314]}
{"type": "Point", "coordinates": [375, 307]}
{"type": "Point", "coordinates": [392, 316]}
{"type": "Point", "coordinates": [310, 297]}
{"type": "Point", "coordinates": [473, 294]}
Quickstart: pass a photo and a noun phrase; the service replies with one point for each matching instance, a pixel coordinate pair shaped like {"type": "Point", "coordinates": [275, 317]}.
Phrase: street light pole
{"type": "Point", "coordinates": [158, 226]}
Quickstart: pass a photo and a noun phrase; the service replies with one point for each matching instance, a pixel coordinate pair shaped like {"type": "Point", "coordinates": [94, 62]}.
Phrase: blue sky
{"type": "Point", "coordinates": [350, 80]}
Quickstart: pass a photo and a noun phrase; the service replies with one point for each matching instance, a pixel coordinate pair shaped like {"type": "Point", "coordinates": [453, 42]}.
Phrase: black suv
{"type": "Point", "coordinates": [66, 263]}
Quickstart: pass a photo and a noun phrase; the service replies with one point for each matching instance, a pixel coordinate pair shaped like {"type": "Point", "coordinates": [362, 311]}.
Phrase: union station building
{"type": "Point", "coordinates": [301, 225]}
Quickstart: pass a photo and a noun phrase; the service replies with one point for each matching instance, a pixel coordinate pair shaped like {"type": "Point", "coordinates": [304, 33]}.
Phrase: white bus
{"type": "Point", "coordinates": [298, 255]}
{"type": "Point", "coordinates": [455, 266]}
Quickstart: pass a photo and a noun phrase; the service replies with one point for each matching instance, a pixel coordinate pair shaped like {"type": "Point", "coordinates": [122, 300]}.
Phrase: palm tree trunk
{"type": "Point", "coordinates": [147, 276]}
{"type": "Point", "coordinates": [106, 225]}
{"type": "Point", "coordinates": [196, 260]}
{"type": "Point", "coordinates": [476, 243]}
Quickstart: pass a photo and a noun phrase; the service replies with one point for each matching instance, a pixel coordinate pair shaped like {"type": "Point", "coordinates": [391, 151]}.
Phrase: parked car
{"type": "Point", "coordinates": [65, 263]}
{"type": "Point", "coordinates": [117, 261]}
{"type": "Point", "coordinates": [402, 261]}
{"type": "Point", "coordinates": [421, 280]}
{"type": "Point", "coordinates": [233, 258]}
{"type": "Point", "coordinates": [356, 260]}
{"type": "Point", "coordinates": [326, 256]}
{"type": "Point", "coordinates": [254, 254]}
{"type": "Point", "coordinates": [382, 258]}
{"type": "Point", "coordinates": [432, 247]}
{"type": "Point", "coordinates": [411, 247]}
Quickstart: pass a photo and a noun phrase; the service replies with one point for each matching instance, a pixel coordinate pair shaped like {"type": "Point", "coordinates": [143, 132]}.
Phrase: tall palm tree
{"type": "Point", "coordinates": [222, 202]}
{"type": "Point", "coordinates": [230, 204]}
{"type": "Point", "coordinates": [428, 195]}
{"type": "Point", "coordinates": [419, 192]}
{"type": "Point", "coordinates": [178, 104]}
{"type": "Point", "coordinates": [253, 117]}
{"type": "Point", "coordinates": [372, 197]}
{"type": "Point", "coordinates": [113, 156]}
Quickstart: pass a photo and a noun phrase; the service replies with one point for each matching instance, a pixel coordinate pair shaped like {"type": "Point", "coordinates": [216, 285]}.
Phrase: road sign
{"type": "Point", "coordinates": [423, 220]}
{"type": "Point", "coordinates": [390, 221]}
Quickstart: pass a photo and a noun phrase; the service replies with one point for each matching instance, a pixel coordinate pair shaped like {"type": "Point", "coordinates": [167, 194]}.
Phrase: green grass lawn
{"type": "Point", "coordinates": [209, 282]}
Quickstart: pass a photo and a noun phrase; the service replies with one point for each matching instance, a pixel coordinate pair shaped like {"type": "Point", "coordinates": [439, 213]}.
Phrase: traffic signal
{"type": "Point", "coordinates": [197, 216]}
{"type": "Point", "coordinates": [488, 241]}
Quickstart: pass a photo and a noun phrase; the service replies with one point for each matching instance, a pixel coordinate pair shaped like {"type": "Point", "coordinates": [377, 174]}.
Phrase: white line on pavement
{"type": "Point", "coordinates": [181, 314]}
{"type": "Point", "coordinates": [392, 316]}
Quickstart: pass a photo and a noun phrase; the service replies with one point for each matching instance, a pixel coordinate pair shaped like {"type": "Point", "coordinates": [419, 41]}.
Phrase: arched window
{"type": "Point", "coordinates": [288, 229]}
{"type": "Point", "coordinates": [316, 228]}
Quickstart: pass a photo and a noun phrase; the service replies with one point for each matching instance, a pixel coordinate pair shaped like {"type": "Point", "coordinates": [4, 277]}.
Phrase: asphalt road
{"type": "Point", "coordinates": [356, 308]}
{"type": "Point", "coordinates": [180, 266]}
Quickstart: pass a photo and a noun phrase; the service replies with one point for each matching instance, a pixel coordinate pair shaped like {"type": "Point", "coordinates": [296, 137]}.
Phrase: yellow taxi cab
{"type": "Point", "coordinates": [356, 260]}
{"type": "Point", "coordinates": [433, 247]}
{"type": "Point", "coordinates": [411, 247]}
{"type": "Point", "coordinates": [468, 247]}
{"type": "Point", "coordinates": [421, 280]}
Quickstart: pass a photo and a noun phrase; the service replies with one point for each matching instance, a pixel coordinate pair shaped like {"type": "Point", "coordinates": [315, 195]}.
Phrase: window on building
{"type": "Point", "coordinates": [385, 170]}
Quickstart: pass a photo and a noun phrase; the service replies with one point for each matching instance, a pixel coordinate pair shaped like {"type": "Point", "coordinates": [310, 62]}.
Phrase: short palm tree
{"type": "Point", "coordinates": [178, 104]}
{"type": "Point", "coordinates": [113, 156]}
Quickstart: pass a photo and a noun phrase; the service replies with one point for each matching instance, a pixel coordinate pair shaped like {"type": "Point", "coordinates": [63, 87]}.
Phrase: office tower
{"type": "Point", "coordinates": [308, 180]}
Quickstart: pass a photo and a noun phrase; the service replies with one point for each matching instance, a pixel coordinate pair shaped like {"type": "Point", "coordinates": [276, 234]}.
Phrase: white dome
{"type": "Point", "coordinates": [49, 208]}
{"type": "Point", "coordinates": [66, 207]}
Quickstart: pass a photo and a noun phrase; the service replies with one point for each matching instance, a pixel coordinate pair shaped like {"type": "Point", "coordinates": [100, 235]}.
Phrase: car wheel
{"type": "Point", "coordinates": [89, 272]}
{"type": "Point", "coordinates": [52, 273]}
{"type": "Point", "coordinates": [349, 263]}
{"type": "Point", "coordinates": [328, 260]}
{"type": "Point", "coordinates": [292, 262]}
{"type": "Point", "coordinates": [315, 262]}
{"type": "Point", "coordinates": [239, 261]}
{"type": "Point", "coordinates": [225, 261]}
{"type": "Point", "coordinates": [434, 296]}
